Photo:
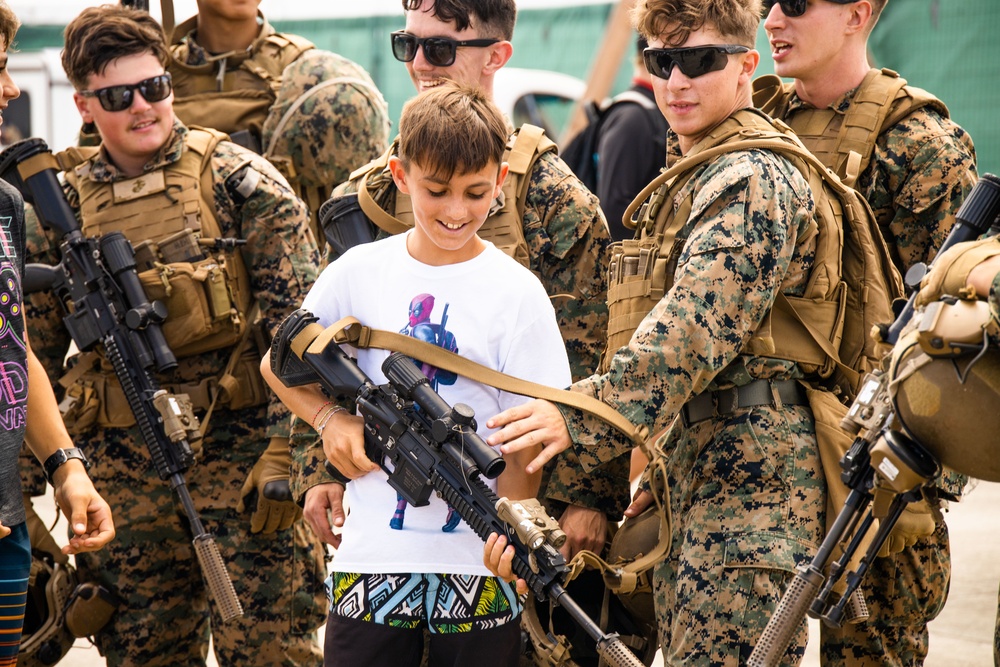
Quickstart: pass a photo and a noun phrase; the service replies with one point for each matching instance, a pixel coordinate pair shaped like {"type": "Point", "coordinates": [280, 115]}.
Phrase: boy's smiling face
{"type": "Point", "coordinates": [447, 211]}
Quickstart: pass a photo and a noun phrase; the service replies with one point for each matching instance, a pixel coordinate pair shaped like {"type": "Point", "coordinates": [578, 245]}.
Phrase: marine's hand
{"type": "Point", "coordinates": [640, 501]}
{"type": "Point", "coordinates": [498, 557]}
{"type": "Point", "coordinates": [324, 510]}
{"type": "Point", "coordinates": [275, 510]}
{"type": "Point", "coordinates": [585, 528]}
{"type": "Point", "coordinates": [534, 423]}
{"type": "Point", "coordinates": [344, 445]}
{"type": "Point", "coordinates": [89, 516]}
{"type": "Point", "coordinates": [916, 522]}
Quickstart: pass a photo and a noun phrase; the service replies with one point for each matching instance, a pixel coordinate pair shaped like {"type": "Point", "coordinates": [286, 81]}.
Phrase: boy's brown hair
{"type": "Point", "coordinates": [452, 129]}
{"type": "Point", "coordinates": [494, 18]}
{"type": "Point", "coordinates": [673, 21]}
{"type": "Point", "coordinates": [100, 35]}
{"type": "Point", "coordinates": [9, 24]}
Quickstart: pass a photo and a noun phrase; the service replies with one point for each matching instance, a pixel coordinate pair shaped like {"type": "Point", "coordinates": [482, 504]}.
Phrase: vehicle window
{"type": "Point", "coordinates": [16, 120]}
{"type": "Point", "coordinates": [550, 112]}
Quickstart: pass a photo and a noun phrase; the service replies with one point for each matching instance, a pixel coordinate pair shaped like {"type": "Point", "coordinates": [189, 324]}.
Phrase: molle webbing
{"type": "Point", "coordinates": [845, 141]}
{"type": "Point", "coordinates": [233, 92]}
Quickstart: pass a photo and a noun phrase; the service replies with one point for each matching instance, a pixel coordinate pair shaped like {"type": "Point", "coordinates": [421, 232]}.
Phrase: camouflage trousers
{"type": "Point", "coordinates": [904, 592]}
{"type": "Point", "coordinates": [166, 614]}
{"type": "Point", "coordinates": [748, 503]}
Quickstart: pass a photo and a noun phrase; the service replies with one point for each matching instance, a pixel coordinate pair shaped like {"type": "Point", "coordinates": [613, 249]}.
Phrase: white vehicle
{"type": "Point", "coordinates": [539, 97]}
{"type": "Point", "coordinates": [45, 108]}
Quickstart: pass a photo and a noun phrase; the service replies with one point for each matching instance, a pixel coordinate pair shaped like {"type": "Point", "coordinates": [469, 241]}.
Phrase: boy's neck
{"type": "Point", "coordinates": [425, 251]}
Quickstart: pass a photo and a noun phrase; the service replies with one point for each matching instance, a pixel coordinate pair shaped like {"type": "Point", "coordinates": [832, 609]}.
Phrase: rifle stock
{"type": "Point", "coordinates": [432, 449]}
{"type": "Point", "coordinates": [105, 305]}
{"type": "Point", "coordinates": [871, 418]}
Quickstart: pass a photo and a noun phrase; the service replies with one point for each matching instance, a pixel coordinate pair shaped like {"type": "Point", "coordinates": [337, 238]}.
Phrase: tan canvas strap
{"type": "Point", "coordinates": [231, 365]}
{"type": "Point", "coordinates": [351, 332]}
{"type": "Point", "coordinates": [375, 213]}
{"type": "Point", "coordinates": [167, 16]}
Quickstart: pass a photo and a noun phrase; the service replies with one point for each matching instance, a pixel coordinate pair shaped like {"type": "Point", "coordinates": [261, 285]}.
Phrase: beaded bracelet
{"type": "Point", "coordinates": [326, 419]}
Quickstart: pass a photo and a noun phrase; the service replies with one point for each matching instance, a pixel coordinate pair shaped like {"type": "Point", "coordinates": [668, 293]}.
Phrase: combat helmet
{"type": "Point", "coordinates": [328, 118]}
{"type": "Point", "coordinates": [45, 638]}
{"type": "Point", "coordinates": [947, 396]}
{"type": "Point", "coordinates": [553, 639]}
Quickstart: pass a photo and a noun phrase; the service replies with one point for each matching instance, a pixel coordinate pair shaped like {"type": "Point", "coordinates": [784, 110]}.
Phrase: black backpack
{"type": "Point", "coordinates": [581, 152]}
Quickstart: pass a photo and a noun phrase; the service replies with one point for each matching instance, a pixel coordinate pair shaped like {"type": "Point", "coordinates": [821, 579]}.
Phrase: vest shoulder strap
{"type": "Point", "coordinates": [527, 144]}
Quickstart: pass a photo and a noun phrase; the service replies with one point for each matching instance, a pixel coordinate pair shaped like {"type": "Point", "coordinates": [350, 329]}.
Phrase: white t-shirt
{"type": "Point", "coordinates": [498, 315]}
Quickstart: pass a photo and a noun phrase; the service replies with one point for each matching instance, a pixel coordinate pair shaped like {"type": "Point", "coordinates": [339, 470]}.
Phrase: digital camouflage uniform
{"type": "Point", "coordinates": [920, 171]}
{"type": "Point", "coordinates": [568, 242]}
{"type": "Point", "coordinates": [166, 617]}
{"type": "Point", "coordinates": [336, 117]}
{"type": "Point", "coordinates": [747, 492]}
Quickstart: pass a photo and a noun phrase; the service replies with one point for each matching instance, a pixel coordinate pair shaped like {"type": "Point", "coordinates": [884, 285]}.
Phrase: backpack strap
{"type": "Point", "coordinates": [350, 331]}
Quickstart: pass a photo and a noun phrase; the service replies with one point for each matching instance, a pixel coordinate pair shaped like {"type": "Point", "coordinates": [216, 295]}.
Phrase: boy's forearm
{"type": "Point", "coordinates": [44, 429]}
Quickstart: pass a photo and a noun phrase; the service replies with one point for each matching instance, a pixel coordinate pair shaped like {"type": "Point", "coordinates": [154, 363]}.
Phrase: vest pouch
{"type": "Point", "coordinates": [244, 387]}
{"type": "Point", "coordinates": [100, 401]}
{"type": "Point", "coordinates": [636, 282]}
{"type": "Point", "coordinates": [201, 312]}
{"type": "Point", "coordinates": [79, 407]}
{"type": "Point", "coordinates": [826, 317]}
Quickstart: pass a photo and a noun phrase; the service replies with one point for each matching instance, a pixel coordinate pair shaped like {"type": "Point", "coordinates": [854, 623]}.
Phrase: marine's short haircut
{"type": "Point", "coordinates": [100, 35]}
{"type": "Point", "coordinates": [494, 18]}
{"type": "Point", "coordinates": [452, 129]}
{"type": "Point", "coordinates": [673, 21]}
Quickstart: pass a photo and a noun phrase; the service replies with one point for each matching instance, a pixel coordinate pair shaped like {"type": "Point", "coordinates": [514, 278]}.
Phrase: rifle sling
{"type": "Point", "coordinates": [351, 332]}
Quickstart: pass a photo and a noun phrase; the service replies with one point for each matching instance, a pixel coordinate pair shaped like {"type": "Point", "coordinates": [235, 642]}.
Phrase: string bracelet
{"type": "Point", "coordinates": [319, 410]}
{"type": "Point", "coordinates": [326, 419]}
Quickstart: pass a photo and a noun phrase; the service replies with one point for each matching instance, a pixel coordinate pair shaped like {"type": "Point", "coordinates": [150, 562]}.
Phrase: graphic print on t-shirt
{"type": "Point", "coordinates": [419, 326]}
{"type": "Point", "coordinates": [13, 373]}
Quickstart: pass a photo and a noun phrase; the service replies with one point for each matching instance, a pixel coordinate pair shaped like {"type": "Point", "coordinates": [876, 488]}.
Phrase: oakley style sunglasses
{"type": "Point", "coordinates": [693, 61]}
{"type": "Point", "coordinates": [119, 98]}
{"type": "Point", "coordinates": [795, 8]}
{"type": "Point", "coordinates": [439, 51]}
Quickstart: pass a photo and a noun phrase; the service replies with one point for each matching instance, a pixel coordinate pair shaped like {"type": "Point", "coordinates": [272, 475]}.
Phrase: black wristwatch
{"type": "Point", "coordinates": [60, 457]}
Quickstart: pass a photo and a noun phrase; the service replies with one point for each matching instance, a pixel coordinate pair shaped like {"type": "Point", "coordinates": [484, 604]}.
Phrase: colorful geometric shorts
{"type": "Point", "coordinates": [445, 603]}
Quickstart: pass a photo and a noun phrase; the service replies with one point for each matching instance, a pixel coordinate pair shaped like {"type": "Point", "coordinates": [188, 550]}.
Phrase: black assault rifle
{"type": "Point", "coordinates": [880, 459]}
{"type": "Point", "coordinates": [105, 304]}
{"type": "Point", "coordinates": [433, 447]}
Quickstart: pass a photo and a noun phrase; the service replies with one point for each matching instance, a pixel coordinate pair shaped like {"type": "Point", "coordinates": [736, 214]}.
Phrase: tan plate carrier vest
{"type": "Point", "coordinates": [825, 330]}
{"type": "Point", "coordinates": [845, 142]}
{"type": "Point", "coordinates": [234, 99]}
{"type": "Point", "coordinates": [504, 228]}
{"type": "Point", "coordinates": [208, 300]}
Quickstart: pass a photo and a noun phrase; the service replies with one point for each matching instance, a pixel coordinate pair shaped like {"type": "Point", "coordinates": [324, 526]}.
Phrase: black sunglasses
{"type": "Point", "coordinates": [439, 51]}
{"type": "Point", "coordinates": [119, 98]}
{"type": "Point", "coordinates": [693, 61]}
{"type": "Point", "coordinates": [795, 8]}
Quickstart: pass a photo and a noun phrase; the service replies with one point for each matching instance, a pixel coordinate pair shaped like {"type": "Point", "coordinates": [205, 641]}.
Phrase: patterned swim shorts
{"type": "Point", "coordinates": [446, 603]}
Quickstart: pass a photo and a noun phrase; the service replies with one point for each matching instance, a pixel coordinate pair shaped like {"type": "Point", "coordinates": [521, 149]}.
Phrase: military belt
{"type": "Point", "coordinates": [727, 401]}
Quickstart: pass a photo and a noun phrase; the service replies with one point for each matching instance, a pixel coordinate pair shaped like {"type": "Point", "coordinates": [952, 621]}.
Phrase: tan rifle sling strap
{"type": "Point", "coordinates": [350, 331]}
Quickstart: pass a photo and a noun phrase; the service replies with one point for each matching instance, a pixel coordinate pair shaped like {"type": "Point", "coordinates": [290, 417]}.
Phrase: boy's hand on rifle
{"type": "Point", "coordinates": [498, 557]}
{"type": "Point", "coordinates": [530, 424]}
{"type": "Point", "coordinates": [275, 510]}
{"type": "Point", "coordinates": [344, 445]}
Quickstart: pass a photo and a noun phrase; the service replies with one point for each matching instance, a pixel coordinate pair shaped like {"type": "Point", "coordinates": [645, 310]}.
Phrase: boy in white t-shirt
{"type": "Point", "coordinates": [442, 283]}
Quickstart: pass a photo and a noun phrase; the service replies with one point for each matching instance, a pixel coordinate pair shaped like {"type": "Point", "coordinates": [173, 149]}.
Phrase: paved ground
{"type": "Point", "coordinates": [961, 637]}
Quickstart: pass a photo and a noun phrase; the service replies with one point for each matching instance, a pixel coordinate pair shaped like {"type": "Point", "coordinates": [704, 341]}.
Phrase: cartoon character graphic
{"type": "Point", "coordinates": [419, 326]}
